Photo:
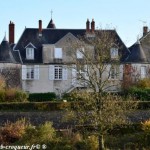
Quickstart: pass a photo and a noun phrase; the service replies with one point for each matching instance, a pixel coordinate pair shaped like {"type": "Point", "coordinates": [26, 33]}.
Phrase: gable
{"type": "Point", "coordinates": [69, 37]}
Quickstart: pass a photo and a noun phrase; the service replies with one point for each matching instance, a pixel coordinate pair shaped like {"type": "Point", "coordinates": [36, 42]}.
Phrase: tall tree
{"type": "Point", "coordinates": [97, 68]}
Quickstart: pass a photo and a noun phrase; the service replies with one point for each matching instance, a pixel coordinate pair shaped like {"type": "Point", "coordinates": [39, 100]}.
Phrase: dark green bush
{"type": "Point", "coordinates": [40, 97]}
{"type": "Point", "coordinates": [139, 93]}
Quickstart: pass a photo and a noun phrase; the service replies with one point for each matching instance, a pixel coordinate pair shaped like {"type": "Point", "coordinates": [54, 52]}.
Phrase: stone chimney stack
{"type": "Point", "coordinates": [11, 32]}
{"type": "Point", "coordinates": [40, 27]}
{"type": "Point", "coordinates": [87, 25]}
{"type": "Point", "coordinates": [92, 26]}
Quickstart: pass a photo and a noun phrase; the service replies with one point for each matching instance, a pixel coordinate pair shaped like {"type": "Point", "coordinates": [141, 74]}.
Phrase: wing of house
{"type": "Point", "coordinates": [9, 65]}
{"type": "Point", "coordinates": [139, 58]}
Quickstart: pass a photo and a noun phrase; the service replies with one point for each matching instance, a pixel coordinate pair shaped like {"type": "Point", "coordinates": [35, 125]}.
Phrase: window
{"type": "Point", "coordinates": [29, 53]}
{"type": "Point", "coordinates": [114, 72]}
{"type": "Point", "coordinates": [58, 73]}
{"type": "Point", "coordinates": [30, 72]}
{"type": "Point", "coordinates": [58, 53]}
{"type": "Point", "coordinates": [143, 72]}
{"type": "Point", "coordinates": [80, 53]}
{"type": "Point", "coordinates": [114, 53]}
{"type": "Point", "coordinates": [80, 72]}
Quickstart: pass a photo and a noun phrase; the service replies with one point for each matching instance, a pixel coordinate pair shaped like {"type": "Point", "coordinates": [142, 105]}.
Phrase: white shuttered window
{"type": "Point", "coordinates": [30, 72]}
{"type": "Point", "coordinates": [58, 72]}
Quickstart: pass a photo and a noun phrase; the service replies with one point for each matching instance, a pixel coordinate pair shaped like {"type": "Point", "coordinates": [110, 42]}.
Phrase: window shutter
{"type": "Point", "coordinates": [36, 72]}
{"type": "Point", "coordinates": [24, 72]}
{"type": "Point", "coordinates": [65, 74]}
{"type": "Point", "coordinates": [51, 72]}
{"type": "Point", "coordinates": [74, 74]}
{"type": "Point", "coordinates": [121, 72]}
{"type": "Point", "coordinates": [86, 72]}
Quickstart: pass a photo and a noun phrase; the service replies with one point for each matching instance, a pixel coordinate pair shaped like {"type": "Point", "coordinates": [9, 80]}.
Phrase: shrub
{"type": "Point", "coordinates": [21, 96]}
{"type": "Point", "coordinates": [139, 93]}
{"type": "Point", "coordinates": [39, 134]}
{"type": "Point", "coordinates": [40, 97]}
{"type": "Point", "coordinates": [12, 132]}
{"type": "Point", "coordinates": [144, 83]}
{"type": "Point", "coordinates": [2, 95]}
{"type": "Point", "coordinates": [13, 95]}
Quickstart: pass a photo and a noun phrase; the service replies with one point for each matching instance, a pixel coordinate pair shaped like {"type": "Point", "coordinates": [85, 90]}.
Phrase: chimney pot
{"type": "Point", "coordinates": [87, 25]}
{"type": "Point", "coordinates": [145, 30]}
{"type": "Point", "coordinates": [93, 26]}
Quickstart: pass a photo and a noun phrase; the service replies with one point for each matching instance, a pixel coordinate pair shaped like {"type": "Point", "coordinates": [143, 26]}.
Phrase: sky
{"type": "Point", "coordinates": [127, 16]}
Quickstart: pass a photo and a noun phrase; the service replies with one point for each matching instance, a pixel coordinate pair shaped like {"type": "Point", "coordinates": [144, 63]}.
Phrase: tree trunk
{"type": "Point", "coordinates": [101, 142]}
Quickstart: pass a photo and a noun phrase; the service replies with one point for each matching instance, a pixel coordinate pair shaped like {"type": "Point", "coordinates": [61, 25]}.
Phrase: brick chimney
{"type": "Point", "coordinates": [145, 30]}
{"type": "Point", "coordinates": [92, 26]}
{"type": "Point", "coordinates": [87, 25]}
{"type": "Point", "coordinates": [40, 27]}
{"type": "Point", "coordinates": [11, 32]}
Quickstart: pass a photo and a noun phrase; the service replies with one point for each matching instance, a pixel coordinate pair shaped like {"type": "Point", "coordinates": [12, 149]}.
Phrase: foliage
{"type": "Point", "coordinates": [139, 93]}
{"type": "Point", "coordinates": [144, 83]}
{"type": "Point", "coordinates": [12, 132]}
{"type": "Point", "coordinates": [146, 126]}
{"type": "Point", "coordinates": [13, 95]}
{"type": "Point", "coordinates": [39, 134]}
{"type": "Point", "coordinates": [40, 97]}
{"type": "Point", "coordinates": [102, 111]}
{"type": "Point", "coordinates": [34, 106]}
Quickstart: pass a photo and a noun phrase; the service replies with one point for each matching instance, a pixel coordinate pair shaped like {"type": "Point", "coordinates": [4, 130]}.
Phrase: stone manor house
{"type": "Point", "coordinates": [42, 57]}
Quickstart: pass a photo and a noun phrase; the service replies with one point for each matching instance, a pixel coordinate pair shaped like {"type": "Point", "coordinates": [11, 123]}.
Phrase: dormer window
{"type": "Point", "coordinates": [29, 53]}
{"type": "Point", "coordinates": [30, 50]}
{"type": "Point", "coordinates": [58, 53]}
{"type": "Point", "coordinates": [114, 53]}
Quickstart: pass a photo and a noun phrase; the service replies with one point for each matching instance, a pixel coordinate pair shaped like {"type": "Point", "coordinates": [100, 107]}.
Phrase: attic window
{"type": "Point", "coordinates": [30, 53]}
{"type": "Point", "coordinates": [114, 53]}
{"type": "Point", "coordinates": [58, 53]}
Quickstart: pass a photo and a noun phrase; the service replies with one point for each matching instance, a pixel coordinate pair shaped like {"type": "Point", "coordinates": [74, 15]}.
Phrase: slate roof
{"type": "Point", "coordinates": [51, 36]}
{"type": "Point", "coordinates": [137, 54]}
{"type": "Point", "coordinates": [6, 54]}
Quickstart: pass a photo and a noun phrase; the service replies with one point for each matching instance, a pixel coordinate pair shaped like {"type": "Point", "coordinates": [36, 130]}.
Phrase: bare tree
{"type": "Point", "coordinates": [11, 76]}
{"type": "Point", "coordinates": [98, 69]}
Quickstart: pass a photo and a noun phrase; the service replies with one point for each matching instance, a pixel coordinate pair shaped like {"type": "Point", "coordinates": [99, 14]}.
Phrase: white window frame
{"type": "Point", "coordinates": [143, 72]}
{"type": "Point", "coordinates": [58, 73]}
{"type": "Point", "coordinates": [80, 53]}
{"type": "Point", "coordinates": [29, 53]}
{"type": "Point", "coordinates": [30, 73]}
{"type": "Point", "coordinates": [114, 72]}
{"type": "Point", "coordinates": [114, 53]}
{"type": "Point", "coordinates": [58, 53]}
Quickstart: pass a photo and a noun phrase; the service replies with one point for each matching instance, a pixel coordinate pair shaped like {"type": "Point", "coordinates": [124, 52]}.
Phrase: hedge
{"type": "Point", "coordinates": [41, 97]}
{"type": "Point", "coordinates": [141, 94]}
{"type": "Point", "coordinates": [49, 106]}
{"type": "Point", "coordinates": [34, 106]}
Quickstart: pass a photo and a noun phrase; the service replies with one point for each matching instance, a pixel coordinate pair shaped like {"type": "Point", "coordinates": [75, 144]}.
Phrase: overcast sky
{"type": "Point", "coordinates": [126, 16]}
